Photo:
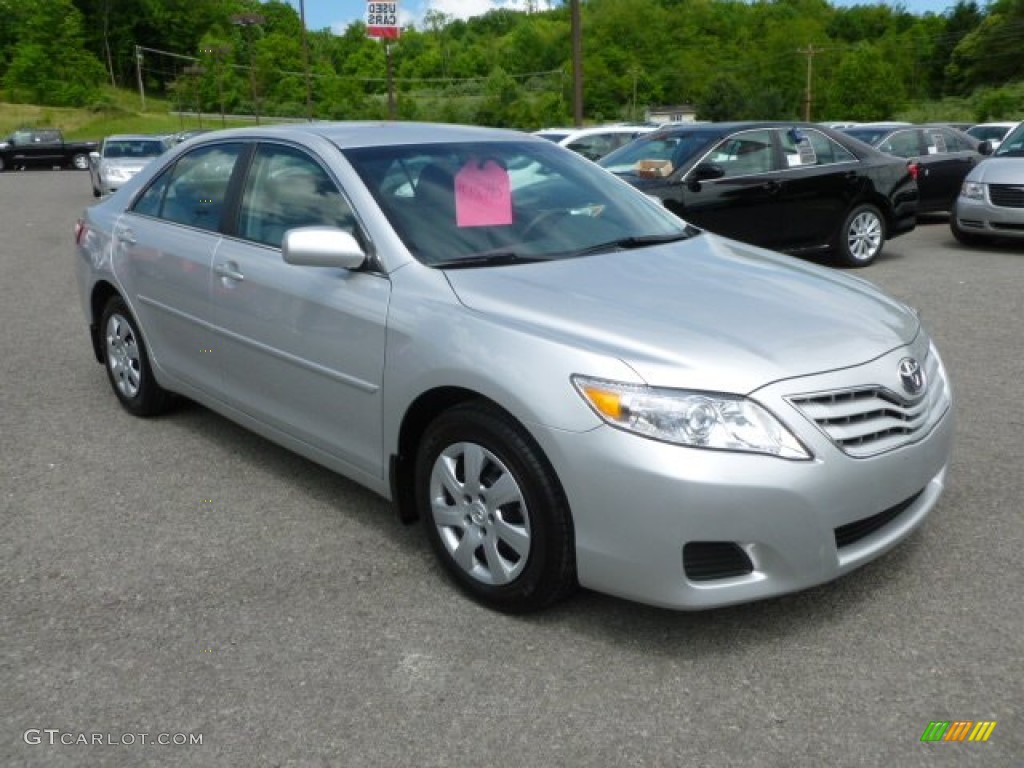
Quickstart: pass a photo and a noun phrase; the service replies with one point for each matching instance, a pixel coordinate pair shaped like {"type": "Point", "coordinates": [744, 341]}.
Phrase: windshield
{"type": "Point", "coordinates": [988, 132]}
{"type": "Point", "coordinates": [657, 153]}
{"type": "Point", "coordinates": [868, 135]}
{"type": "Point", "coordinates": [515, 201]}
{"type": "Point", "coordinates": [1013, 144]}
{"type": "Point", "coordinates": [135, 148]}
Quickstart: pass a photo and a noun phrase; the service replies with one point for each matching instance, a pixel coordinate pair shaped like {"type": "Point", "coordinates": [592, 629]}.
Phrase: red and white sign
{"type": "Point", "coordinates": [382, 20]}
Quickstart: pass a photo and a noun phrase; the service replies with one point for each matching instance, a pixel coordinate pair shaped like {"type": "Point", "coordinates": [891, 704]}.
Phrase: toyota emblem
{"type": "Point", "coordinates": [912, 376]}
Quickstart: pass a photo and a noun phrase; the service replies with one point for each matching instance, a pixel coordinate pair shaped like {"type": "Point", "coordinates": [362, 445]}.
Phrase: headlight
{"type": "Point", "coordinates": [974, 190]}
{"type": "Point", "coordinates": [695, 419]}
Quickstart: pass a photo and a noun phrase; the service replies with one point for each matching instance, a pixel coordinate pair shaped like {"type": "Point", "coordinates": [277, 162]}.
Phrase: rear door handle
{"type": "Point", "coordinates": [125, 235]}
{"type": "Point", "coordinates": [229, 271]}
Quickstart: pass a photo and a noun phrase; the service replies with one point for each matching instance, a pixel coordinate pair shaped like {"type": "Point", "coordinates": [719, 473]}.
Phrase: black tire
{"type": "Point", "coordinates": [95, 192]}
{"type": "Point", "coordinates": [964, 238]}
{"type": "Point", "coordinates": [80, 162]}
{"type": "Point", "coordinates": [127, 362]}
{"type": "Point", "coordinates": [3, 165]}
{"type": "Point", "coordinates": [861, 237]}
{"type": "Point", "coordinates": [514, 553]}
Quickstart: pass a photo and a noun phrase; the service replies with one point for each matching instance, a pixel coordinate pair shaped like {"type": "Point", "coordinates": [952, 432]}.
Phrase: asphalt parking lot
{"type": "Point", "coordinates": [182, 578]}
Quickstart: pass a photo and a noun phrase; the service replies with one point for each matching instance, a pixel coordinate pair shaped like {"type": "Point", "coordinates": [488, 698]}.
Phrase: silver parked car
{"type": "Point", "coordinates": [121, 157]}
{"type": "Point", "coordinates": [991, 201]}
{"type": "Point", "coordinates": [564, 381]}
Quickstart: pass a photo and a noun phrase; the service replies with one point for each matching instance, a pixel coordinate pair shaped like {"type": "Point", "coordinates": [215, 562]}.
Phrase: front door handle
{"type": "Point", "coordinates": [229, 271]}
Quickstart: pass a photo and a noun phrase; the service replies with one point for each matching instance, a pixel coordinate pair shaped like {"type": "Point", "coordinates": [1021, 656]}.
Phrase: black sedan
{"type": "Point", "coordinates": [939, 156]}
{"type": "Point", "coordinates": [793, 187]}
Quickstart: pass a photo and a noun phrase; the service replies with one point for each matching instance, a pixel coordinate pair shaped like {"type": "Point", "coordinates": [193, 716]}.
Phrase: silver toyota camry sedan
{"type": "Point", "coordinates": [564, 382]}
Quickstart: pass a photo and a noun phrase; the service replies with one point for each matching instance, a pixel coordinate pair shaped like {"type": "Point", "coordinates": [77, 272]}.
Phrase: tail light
{"type": "Point", "coordinates": [914, 169]}
{"type": "Point", "coordinates": [81, 228]}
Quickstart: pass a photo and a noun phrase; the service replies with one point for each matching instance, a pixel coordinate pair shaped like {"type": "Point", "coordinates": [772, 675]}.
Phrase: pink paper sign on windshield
{"type": "Point", "coordinates": [483, 197]}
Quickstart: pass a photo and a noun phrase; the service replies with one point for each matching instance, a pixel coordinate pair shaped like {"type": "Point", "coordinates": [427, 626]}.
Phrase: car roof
{"type": "Point", "coordinates": [373, 134]}
{"type": "Point", "coordinates": [136, 137]}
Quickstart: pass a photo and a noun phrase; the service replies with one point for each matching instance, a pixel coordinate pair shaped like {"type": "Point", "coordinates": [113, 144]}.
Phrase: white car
{"type": "Point", "coordinates": [594, 143]}
{"type": "Point", "coordinates": [993, 133]}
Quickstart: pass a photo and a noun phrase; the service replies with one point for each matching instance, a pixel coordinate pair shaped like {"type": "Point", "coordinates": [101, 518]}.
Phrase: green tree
{"type": "Point", "coordinates": [865, 86]}
{"type": "Point", "coordinates": [50, 64]}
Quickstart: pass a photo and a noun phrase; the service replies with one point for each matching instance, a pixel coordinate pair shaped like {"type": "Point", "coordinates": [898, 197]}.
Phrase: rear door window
{"type": "Point", "coordinates": [192, 191]}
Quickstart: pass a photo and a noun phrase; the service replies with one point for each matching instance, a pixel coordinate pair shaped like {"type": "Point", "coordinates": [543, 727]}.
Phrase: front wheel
{"type": "Point", "coordinates": [861, 237]}
{"type": "Point", "coordinates": [127, 362]}
{"type": "Point", "coordinates": [80, 162]}
{"type": "Point", "coordinates": [494, 511]}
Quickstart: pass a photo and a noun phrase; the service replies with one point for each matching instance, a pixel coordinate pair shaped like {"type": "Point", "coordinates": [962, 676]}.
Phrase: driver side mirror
{"type": "Point", "coordinates": [322, 247]}
{"type": "Point", "coordinates": [704, 172]}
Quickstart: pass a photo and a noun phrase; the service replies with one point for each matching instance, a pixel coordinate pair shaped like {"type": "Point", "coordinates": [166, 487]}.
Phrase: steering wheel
{"type": "Point", "coordinates": [544, 219]}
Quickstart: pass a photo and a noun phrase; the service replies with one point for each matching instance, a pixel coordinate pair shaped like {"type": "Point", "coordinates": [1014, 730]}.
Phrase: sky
{"type": "Point", "coordinates": [337, 14]}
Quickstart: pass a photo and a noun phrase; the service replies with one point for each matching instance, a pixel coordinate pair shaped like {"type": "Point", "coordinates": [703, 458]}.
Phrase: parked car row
{"type": "Point", "coordinates": [939, 157]}
{"type": "Point", "coordinates": [794, 187]}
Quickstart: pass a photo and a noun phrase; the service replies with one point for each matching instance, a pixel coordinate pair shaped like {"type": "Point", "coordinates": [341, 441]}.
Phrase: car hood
{"type": "Point", "coordinates": [130, 166]}
{"type": "Point", "coordinates": [999, 170]}
{"type": "Point", "coordinates": [706, 313]}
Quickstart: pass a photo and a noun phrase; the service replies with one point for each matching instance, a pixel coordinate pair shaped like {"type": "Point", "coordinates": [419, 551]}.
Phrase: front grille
{"type": "Point", "coordinates": [1006, 196]}
{"type": "Point", "coordinates": [1004, 225]}
{"type": "Point", "coordinates": [853, 532]}
{"type": "Point", "coordinates": [710, 560]}
{"type": "Point", "coordinates": [873, 419]}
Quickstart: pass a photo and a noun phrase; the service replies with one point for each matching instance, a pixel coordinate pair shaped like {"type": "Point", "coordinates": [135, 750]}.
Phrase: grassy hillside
{"type": "Point", "coordinates": [121, 113]}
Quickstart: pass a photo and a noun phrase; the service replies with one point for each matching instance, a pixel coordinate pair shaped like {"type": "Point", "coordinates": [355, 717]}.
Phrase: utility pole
{"type": "Point", "coordinates": [247, 21]}
{"type": "Point", "coordinates": [305, 61]}
{"type": "Point", "coordinates": [391, 82]}
{"type": "Point", "coordinates": [577, 64]}
{"type": "Point", "coordinates": [218, 52]}
{"type": "Point", "coordinates": [138, 75]}
{"type": "Point", "coordinates": [809, 52]}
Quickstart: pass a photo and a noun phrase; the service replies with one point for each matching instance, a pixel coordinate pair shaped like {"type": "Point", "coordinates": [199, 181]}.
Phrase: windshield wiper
{"type": "Point", "coordinates": [490, 259]}
{"type": "Point", "coordinates": [636, 241]}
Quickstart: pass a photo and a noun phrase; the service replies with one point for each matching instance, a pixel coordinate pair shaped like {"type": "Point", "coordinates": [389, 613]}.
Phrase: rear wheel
{"type": "Point", "coordinates": [127, 362]}
{"type": "Point", "coordinates": [861, 237]}
{"type": "Point", "coordinates": [80, 162]}
{"type": "Point", "coordinates": [494, 511]}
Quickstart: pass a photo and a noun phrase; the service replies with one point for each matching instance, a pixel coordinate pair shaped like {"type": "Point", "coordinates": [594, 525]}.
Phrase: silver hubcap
{"type": "Point", "coordinates": [480, 513]}
{"type": "Point", "coordinates": [865, 236]}
{"type": "Point", "coordinates": [123, 357]}
{"type": "Point", "coordinates": [81, 162]}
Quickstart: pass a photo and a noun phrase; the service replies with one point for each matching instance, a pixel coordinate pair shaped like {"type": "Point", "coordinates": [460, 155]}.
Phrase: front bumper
{"type": "Point", "coordinates": [982, 217]}
{"type": "Point", "coordinates": [638, 503]}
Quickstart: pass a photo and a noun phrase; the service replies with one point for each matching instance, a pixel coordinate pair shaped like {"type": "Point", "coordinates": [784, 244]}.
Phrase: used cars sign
{"type": "Point", "coordinates": [382, 20]}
